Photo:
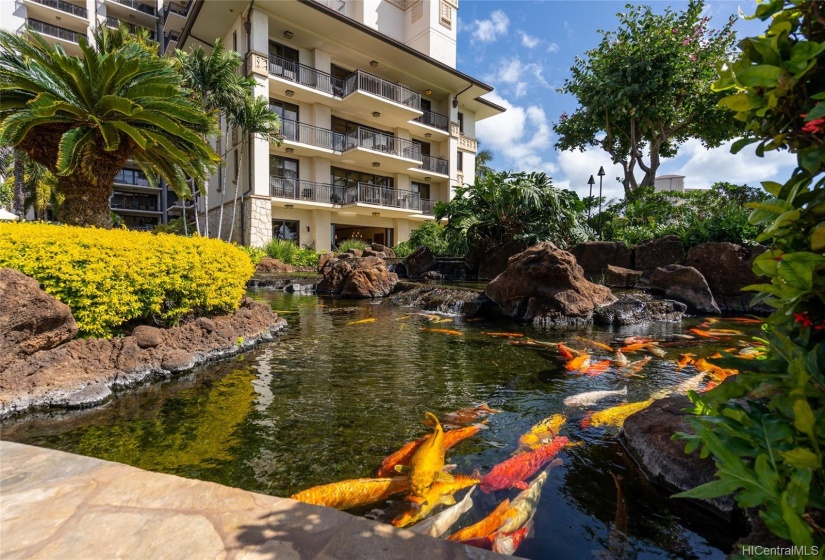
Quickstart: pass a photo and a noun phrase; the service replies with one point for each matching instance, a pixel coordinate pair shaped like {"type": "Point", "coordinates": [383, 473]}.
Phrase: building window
{"type": "Point", "coordinates": [283, 61]}
{"type": "Point", "coordinates": [461, 122]}
{"type": "Point", "coordinates": [286, 230]}
{"type": "Point", "coordinates": [459, 160]}
{"type": "Point", "coordinates": [283, 173]}
{"type": "Point", "coordinates": [423, 189]}
{"type": "Point", "coordinates": [135, 177]}
{"type": "Point", "coordinates": [288, 113]}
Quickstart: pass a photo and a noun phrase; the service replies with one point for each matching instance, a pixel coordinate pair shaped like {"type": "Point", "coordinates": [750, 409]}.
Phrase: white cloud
{"type": "Point", "coordinates": [553, 47]}
{"type": "Point", "coordinates": [575, 169]}
{"type": "Point", "coordinates": [489, 30]}
{"type": "Point", "coordinates": [517, 75]}
{"type": "Point", "coordinates": [528, 40]}
{"type": "Point", "coordinates": [520, 139]}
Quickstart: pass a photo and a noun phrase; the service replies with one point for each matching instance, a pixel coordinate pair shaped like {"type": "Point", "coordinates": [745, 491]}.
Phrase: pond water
{"type": "Point", "coordinates": [330, 400]}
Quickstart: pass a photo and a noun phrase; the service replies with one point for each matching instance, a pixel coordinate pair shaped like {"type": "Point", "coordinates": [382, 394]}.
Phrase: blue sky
{"type": "Point", "coordinates": [525, 49]}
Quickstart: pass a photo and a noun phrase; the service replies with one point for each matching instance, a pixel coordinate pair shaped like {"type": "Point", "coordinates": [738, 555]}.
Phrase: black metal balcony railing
{"type": "Point", "coordinates": [121, 202]}
{"type": "Point", "coordinates": [363, 81]}
{"type": "Point", "coordinates": [382, 196]}
{"type": "Point", "coordinates": [139, 6]}
{"type": "Point", "coordinates": [54, 31]}
{"type": "Point", "coordinates": [176, 8]}
{"type": "Point", "coordinates": [131, 177]}
{"type": "Point", "coordinates": [305, 75]}
{"type": "Point", "coordinates": [65, 7]}
{"type": "Point", "coordinates": [366, 193]}
{"type": "Point", "coordinates": [435, 165]}
{"type": "Point", "coordinates": [428, 207]}
{"type": "Point", "coordinates": [380, 142]}
{"type": "Point", "coordinates": [337, 5]}
{"type": "Point", "coordinates": [435, 120]}
{"type": "Point", "coordinates": [115, 23]}
{"type": "Point", "coordinates": [295, 131]}
{"type": "Point", "coordinates": [286, 187]}
{"type": "Point", "coordinates": [170, 37]}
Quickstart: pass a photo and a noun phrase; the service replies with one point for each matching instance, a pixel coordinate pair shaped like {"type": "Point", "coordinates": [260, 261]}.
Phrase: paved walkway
{"type": "Point", "coordinates": [56, 505]}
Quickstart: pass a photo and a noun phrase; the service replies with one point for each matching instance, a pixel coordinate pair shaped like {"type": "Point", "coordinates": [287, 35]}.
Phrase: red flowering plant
{"type": "Point", "coordinates": [765, 429]}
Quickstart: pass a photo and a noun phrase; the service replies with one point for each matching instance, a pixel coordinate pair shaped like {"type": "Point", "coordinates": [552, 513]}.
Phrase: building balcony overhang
{"type": "Point", "coordinates": [133, 10]}
{"type": "Point", "coordinates": [58, 13]}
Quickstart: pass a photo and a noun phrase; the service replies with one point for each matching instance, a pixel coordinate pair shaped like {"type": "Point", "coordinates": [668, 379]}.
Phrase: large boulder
{"type": "Point", "coordinates": [30, 319]}
{"type": "Point", "coordinates": [647, 436]}
{"type": "Point", "coordinates": [268, 265]}
{"type": "Point", "coordinates": [727, 267]}
{"type": "Point", "coordinates": [657, 253]}
{"type": "Point", "coordinates": [545, 283]}
{"type": "Point", "coordinates": [685, 284]}
{"type": "Point", "coordinates": [637, 309]}
{"type": "Point", "coordinates": [619, 277]}
{"type": "Point", "coordinates": [492, 261]}
{"type": "Point", "coordinates": [419, 261]}
{"type": "Point", "coordinates": [595, 256]}
{"type": "Point", "coordinates": [357, 277]}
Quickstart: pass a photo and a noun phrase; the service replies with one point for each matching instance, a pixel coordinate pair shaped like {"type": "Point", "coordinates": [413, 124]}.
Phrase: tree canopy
{"type": "Point", "coordinates": [647, 88]}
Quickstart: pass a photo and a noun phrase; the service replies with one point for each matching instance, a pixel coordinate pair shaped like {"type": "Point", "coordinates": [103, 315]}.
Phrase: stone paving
{"type": "Point", "coordinates": [56, 505]}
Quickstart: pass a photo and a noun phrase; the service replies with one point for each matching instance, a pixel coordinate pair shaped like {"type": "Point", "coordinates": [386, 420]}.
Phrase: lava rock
{"type": "Point", "coordinates": [178, 360]}
{"type": "Point", "coordinates": [357, 277]}
{"type": "Point", "coordinates": [596, 256]}
{"type": "Point", "coordinates": [657, 253]}
{"type": "Point", "coordinates": [269, 265]}
{"type": "Point", "coordinates": [618, 277]}
{"type": "Point", "coordinates": [638, 308]}
{"type": "Point", "coordinates": [147, 337]}
{"type": "Point", "coordinates": [728, 268]}
{"type": "Point", "coordinates": [685, 284]}
{"type": "Point", "coordinates": [419, 261]}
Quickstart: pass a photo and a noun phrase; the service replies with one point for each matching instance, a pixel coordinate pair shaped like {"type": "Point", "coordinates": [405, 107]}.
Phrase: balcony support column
{"type": "Point", "coordinates": [321, 230]}
{"type": "Point", "coordinates": [402, 230]}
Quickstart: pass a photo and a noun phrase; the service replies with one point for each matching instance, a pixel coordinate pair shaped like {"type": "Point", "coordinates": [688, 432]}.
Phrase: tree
{"type": "Point", "coordinates": [483, 159]}
{"type": "Point", "coordinates": [84, 117]}
{"type": "Point", "coordinates": [647, 88]}
{"type": "Point", "coordinates": [217, 85]}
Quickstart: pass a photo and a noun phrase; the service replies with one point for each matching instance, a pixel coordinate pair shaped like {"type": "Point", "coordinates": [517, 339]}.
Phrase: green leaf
{"type": "Point", "coordinates": [817, 238]}
{"type": "Point", "coordinates": [712, 489]}
{"type": "Point", "coordinates": [797, 269]}
{"type": "Point", "coordinates": [804, 420]}
{"type": "Point", "coordinates": [762, 75]}
{"type": "Point", "coordinates": [801, 458]}
{"type": "Point", "coordinates": [742, 102]}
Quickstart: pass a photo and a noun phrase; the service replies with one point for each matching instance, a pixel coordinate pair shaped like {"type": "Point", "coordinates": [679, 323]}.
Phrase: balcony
{"type": "Point", "coordinates": [64, 35]}
{"type": "Point", "coordinates": [132, 178]}
{"type": "Point", "coordinates": [139, 6]}
{"type": "Point", "coordinates": [314, 85]}
{"type": "Point", "coordinates": [46, 10]}
{"type": "Point", "coordinates": [170, 41]}
{"type": "Point", "coordinates": [432, 166]}
{"type": "Point", "coordinates": [432, 120]}
{"type": "Point", "coordinates": [174, 16]}
{"type": "Point", "coordinates": [368, 147]}
{"type": "Point", "coordinates": [464, 142]}
{"type": "Point", "coordinates": [135, 203]}
{"type": "Point", "coordinates": [114, 23]}
{"type": "Point", "coordinates": [126, 10]}
{"type": "Point", "coordinates": [308, 191]}
{"type": "Point", "coordinates": [305, 139]}
{"type": "Point", "coordinates": [334, 5]}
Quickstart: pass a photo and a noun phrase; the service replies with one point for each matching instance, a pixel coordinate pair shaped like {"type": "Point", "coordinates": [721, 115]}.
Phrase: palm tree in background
{"type": "Point", "coordinates": [216, 83]}
{"type": "Point", "coordinates": [84, 117]}
{"type": "Point", "coordinates": [483, 159]}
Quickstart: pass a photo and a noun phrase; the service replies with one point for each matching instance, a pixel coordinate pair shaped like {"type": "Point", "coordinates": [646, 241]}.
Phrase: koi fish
{"type": "Point", "coordinates": [544, 344]}
{"type": "Point", "coordinates": [592, 397]}
{"type": "Point", "coordinates": [720, 374]}
{"type": "Point", "coordinates": [527, 342]}
{"type": "Point", "coordinates": [512, 472]}
{"type": "Point", "coordinates": [443, 320]}
{"type": "Point", "coordinates": [751, 352]}
{"type": "Point", "coordinates": [427, 463]}
{"type": "Point", "coordinates": [486, 526]}
{"type": "Point", "coordinates": [691, 384]}
{"type": "Point", "coordinates": [438, 524]}
{"type": "Point", "coordinates": [474, 320]}
{"type": "Point", "coordinates": [746, 320]}
{"type": "Point", "coordinates": [485, 543]}
{"type": "Point", "coordinates": [419, 507]}
{"type": "Point", "coordinates": [466, 415]}
{"type": "Point", "coordinates": [635, 347]}
{"type": "Point", "coordinates": [567, 353]}
{"type": "Point", "coordinates": [508, 543]}
{"type": "Point", "coordinates": [579, 363]}
{"type": "Point", "coordinates": [362, 321]}
{"type": "Point", "coordinates": [405, 317]}
{"type": "Point", "coordinates": [525, 503]}
{"type": "Point", "coordinates": [443, 331]}
{"type": "Point", "coordinates": [429, 316]}
{"type": "Point", "coordinates": [685, 360]}
{"type": "Point", "coordinates": [543, 432]}
{"type": "Point", "coordinates": [595, 343]}
{"type": "Point", "coordinates": [715, 356]}
{"type": "Point", "coordinates": [639, 364]}
{"type": "Point", "coordinates": [637, 340]}
{"type": "Point", "coordinates": [614, 416]}
{"type": "Point", "coordinates": [403, 455]}
{"type": "Point", "coordinates": [656, 351]}
{"type": "Point", "coordinates": [620, 359]}
{"type": "Point", "coordinates": [598, 368]}
{"type": "Point", "coordinates": [703, 334]}
{"type": "Point", "coordinates": [348, 494]}
{"type": "Point", "coordinates": [504, 334]}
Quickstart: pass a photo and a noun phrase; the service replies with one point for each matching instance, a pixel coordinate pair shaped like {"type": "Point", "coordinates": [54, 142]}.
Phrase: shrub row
{"type": "Point", "coordinates": [111, 277]}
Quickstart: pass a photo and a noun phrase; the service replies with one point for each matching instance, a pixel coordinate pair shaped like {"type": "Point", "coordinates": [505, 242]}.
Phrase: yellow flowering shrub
{"type": "Point", "coordinates": [110, 277]}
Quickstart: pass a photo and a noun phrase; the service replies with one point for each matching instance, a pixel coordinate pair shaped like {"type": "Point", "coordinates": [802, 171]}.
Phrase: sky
{"type": "Point", "coordinates": [525, 48]}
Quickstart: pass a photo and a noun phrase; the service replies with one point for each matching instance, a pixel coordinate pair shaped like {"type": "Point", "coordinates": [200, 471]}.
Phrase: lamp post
{"type": "Point", "coordinates": [600, 174]}
{"type": "Point", "coordinates": [590, 182]}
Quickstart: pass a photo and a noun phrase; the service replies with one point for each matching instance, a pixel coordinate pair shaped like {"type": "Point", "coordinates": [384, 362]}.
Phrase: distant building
{"type": "Point", "coordinates": [670, 183]}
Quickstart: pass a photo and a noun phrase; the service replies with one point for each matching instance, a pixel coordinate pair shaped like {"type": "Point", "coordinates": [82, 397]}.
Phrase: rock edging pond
{"type": "Point", "coordinates": [80, 373]}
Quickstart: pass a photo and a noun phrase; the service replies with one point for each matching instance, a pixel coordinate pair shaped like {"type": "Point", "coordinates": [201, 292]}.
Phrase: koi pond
{"type": "Point", "coordinates": [341, 391]}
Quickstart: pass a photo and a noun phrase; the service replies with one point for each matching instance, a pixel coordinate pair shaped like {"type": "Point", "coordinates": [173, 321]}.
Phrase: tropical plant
{"type": "Point", "coordinates": [506, 207]}
{"type": "Point", "coordinates": [288, 252]}
{"type": "Point", "coordinates": [83, 117]}
{"type": "Point", "coordinates": [647, 88]}
{"type": "Point", "coordinates": [483, 159]}
{"type": "Point", "coordinates": [766, 429]}
{"type": "Point", "coordinates": [347, 244]}
{"type": "Point", "coordinates": [430, 234]}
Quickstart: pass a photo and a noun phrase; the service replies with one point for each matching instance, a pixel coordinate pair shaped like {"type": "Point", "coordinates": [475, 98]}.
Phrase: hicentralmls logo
{"type": "Point", "coordinates": [798, 551]}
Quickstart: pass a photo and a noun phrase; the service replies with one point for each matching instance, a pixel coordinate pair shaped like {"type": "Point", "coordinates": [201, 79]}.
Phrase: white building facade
{"type": "Point", "coordinates": [377, 123]}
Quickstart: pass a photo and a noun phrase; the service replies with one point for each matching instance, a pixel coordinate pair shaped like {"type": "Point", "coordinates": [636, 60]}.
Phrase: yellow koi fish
{"type": "Point", "coordinates": [443, 320]}
{"type": "Point", "coordinates": [615, 416]}
{"type": "Point", "coordinates": [486, 526]}
{"type": "Point", "coordinates": [427, 463]}
{"type": "Point", "coordinates": [362, 321]}
{"type": "Point", "coordinates": [595, 344]}
{"type": "Point", "coordinates": [543, 432]}
{"type": "Point", "coordinates": [348, 494]}
{"type": "Point", "coordinates": [443, 331]}
{"type": "Point", "coordinates": [441, 493]}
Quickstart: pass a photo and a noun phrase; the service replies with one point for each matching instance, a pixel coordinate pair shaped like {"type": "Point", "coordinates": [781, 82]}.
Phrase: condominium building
{"type": "Point", "coordinates": [377, 123]}
{"type": "Point", "coordinates": [138, 204]}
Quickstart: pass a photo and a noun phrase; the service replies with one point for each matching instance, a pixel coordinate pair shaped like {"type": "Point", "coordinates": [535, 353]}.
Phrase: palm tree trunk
{"type": "Point", "coordinates": [235, 198]}
{"type": "Point", "coordinates": [195, 209]}
{"type": "Point", "coordinates": [86, 202]}
{"type": "Point", "coordinates": [222, 184]}
{"type": "Point", "coordinates": [19, 178]}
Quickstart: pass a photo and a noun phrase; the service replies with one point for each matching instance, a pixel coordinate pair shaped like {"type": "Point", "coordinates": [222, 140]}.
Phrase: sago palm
{"type": "Point", "coordinates": [84, 117]}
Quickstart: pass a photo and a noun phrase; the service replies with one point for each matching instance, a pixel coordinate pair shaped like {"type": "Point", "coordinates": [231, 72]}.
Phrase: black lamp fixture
{"type": "Point", "coordinates": [287, 34]}
{"type": "Point", "coordinates": [590, 182]}
{"type": "Point", "coordinates": [600, 174]}
{"type": "Point", "coordinates": [376, 114]}
{"type": "Point", "coordinates": [374, 63]}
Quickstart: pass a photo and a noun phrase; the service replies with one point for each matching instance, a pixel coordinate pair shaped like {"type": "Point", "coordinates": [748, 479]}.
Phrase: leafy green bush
{"type": "Point", "coordinates": [288, 252]}
{"type": "Point", "coordinates": [348, 244]}
{"type": "Point", "coordinates": [430, 234]}
{"type": "Point", "coordinates": [766, 429]}
{"type": "Point", "coordinates": [111, 277]}
{"type": "Point", "coordinates": [255, 253]}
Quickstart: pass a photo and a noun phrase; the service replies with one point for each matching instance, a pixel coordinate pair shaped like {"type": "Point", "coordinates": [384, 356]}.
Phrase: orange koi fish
{"type": "Point", "coordinates": [467, 415]}
{"type": "Point", "coordinates": [348, 494]}
{"type": "Point", "coordinates": [637, 340]}
{"type": "Point", "coordinates": [440, 493]}
{"type": "Point", "coordinates": [718, 373]}
{"type": "Point", "coordinates": [403, 455]}
{"type": "Point", "coordinates": [427, 463]}
{"type": "Point", "coordinates": [639, 364]}
{"type": "Point", "coordinates": [474, 320]}
{"type": "Point", "coordinates": [486, 526]}
{"type": "Point", "coordinates": [504, 334]}
{"type": "Point", "coordinates": [746, 320]}
{"type": "Point", "coordinates": [362, 321]}
{"type": "Point", "coordinates": [443, 331]}
{"type": "Point", "coordinates": [614, 416]}
{"type": "Point", "coordinates": [514, 471]}
{"type": "Point", "coordinates": [485, 543]}
{"type": "Point", "coordinates": [634, 347]}
{"type": "Point", "coordinates": [598, 368]}
{"type": "Point", "coordinates": [596, 344]}
{"type": "Point", "coordinates": [579, 363]}
{"type": "Point", "coordinates": [685, 360]}
{"type": "Point", "coordinates": [542, 433]}
{"type": "Point", "coordinates": [715, 355]}
{"type": "Point", "coordinates": [508, 543]}
{"type": "Point", "coordinates": [567, 353]}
